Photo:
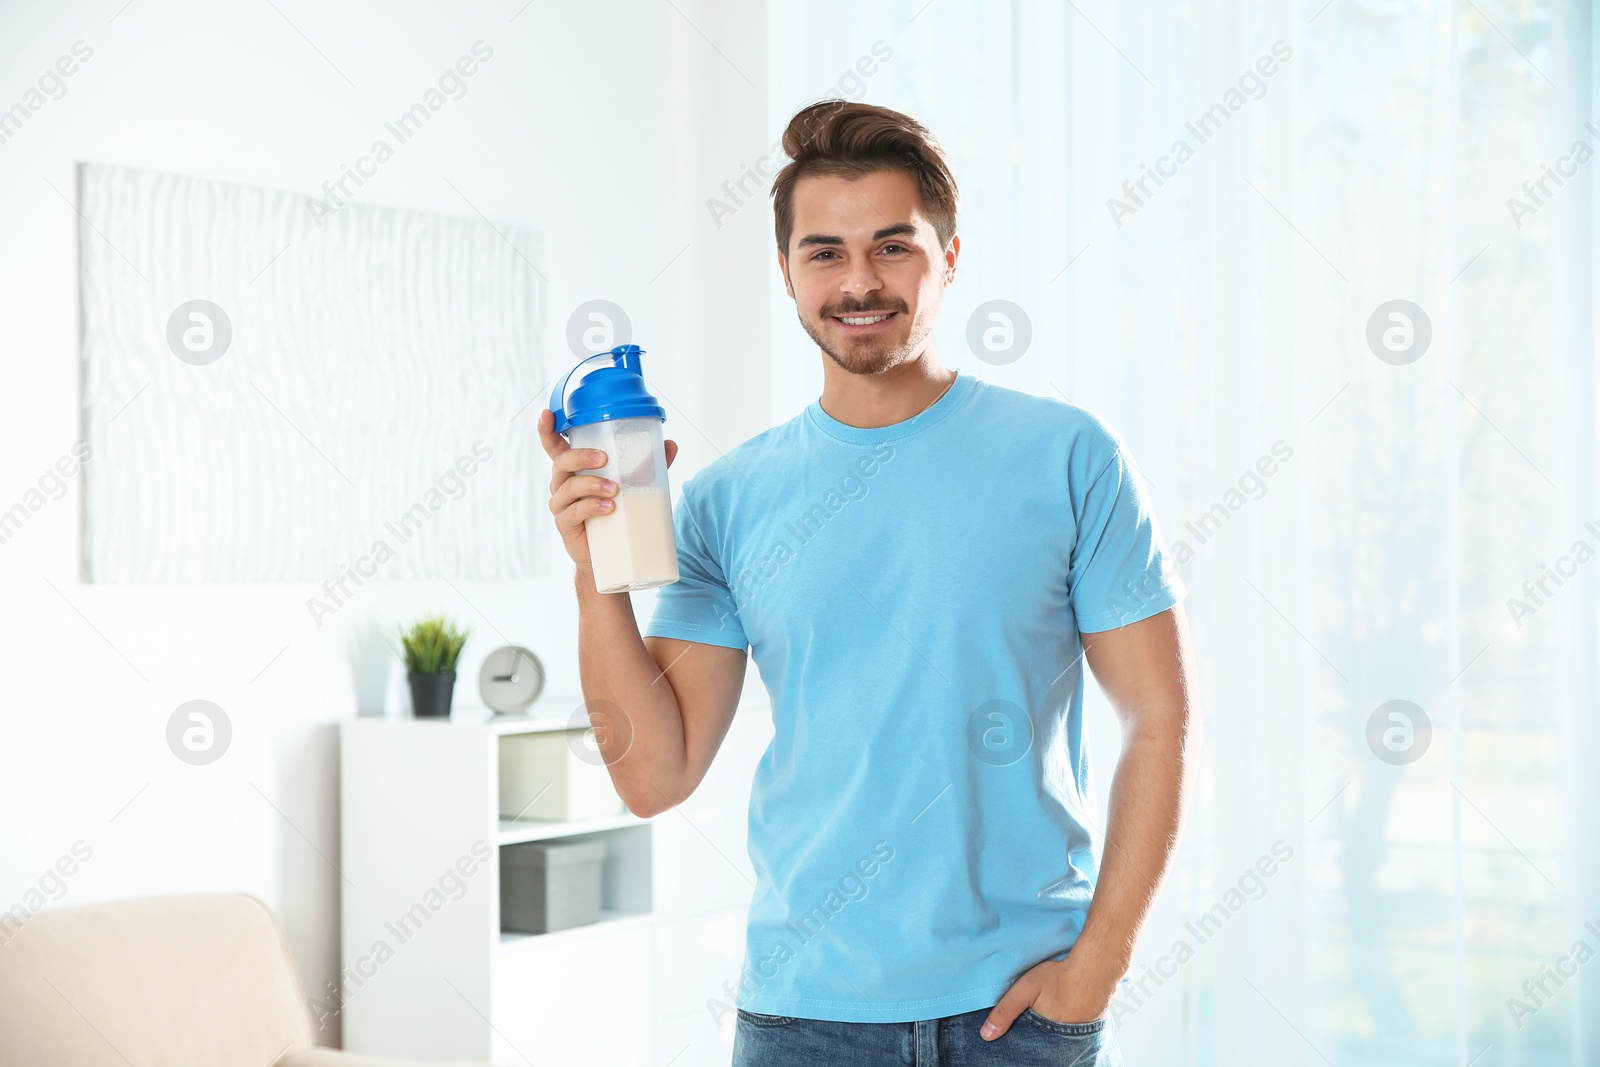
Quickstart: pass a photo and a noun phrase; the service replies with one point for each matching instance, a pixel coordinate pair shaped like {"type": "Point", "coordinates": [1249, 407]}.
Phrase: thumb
{"type": "Point", "coordinates": [1023, 992]}
{"type": "Point", "coordinates": [672, 450]}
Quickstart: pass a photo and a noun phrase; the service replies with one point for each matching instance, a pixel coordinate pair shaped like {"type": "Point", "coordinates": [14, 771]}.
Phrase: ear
{"type": "Point", "coordinates": [783, 268]}
{"type": "Point", "coordinates": [951, 254]}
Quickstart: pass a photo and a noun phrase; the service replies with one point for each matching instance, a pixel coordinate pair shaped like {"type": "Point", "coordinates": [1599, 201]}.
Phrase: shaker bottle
{"type": "Point", "coordinates": [631, 547]}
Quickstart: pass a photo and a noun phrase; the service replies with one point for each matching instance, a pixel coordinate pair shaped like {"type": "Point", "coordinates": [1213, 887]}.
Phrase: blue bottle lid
{"type": "Point", "coordinates": [614, 392]}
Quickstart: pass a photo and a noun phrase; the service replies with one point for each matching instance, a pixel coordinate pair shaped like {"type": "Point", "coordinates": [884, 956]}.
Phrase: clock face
{"type": "Point", "coordinates": [511, 679]}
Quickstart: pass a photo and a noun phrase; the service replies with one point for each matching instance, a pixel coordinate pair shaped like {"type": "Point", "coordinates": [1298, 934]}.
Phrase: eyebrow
{"type": "Point", "coordinates": [897, 230]}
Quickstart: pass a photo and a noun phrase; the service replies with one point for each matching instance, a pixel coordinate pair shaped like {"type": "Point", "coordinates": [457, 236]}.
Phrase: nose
{"type": "Point", "coordinates": [861, 279]}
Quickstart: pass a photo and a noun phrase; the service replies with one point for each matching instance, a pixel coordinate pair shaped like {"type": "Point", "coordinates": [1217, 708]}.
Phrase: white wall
{"type": "Point", "coordinates": [604, 125]}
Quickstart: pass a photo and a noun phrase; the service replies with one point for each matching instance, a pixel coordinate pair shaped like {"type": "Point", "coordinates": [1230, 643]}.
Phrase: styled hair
{"type": "Point", "coordinates": [852, 139]}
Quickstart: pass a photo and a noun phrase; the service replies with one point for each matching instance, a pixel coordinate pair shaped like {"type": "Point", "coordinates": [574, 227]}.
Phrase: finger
{"type": "Point", "coordinates": [672, 450]}
{"type": "Point", "coordinates": [1021, 994]}
{"type": "Point", "coordinates": [554, 443]}
{"type": "Point", "coordinates": [581, 459]}
{"type": "Point", "coordinates": [574, 459]}
{"type": "Point", "coordinates": [581, 487]}
{"type": "Point", "coordinates": [570, 520]}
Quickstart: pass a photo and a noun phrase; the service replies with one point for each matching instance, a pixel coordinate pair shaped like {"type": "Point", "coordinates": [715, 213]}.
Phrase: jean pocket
{"type": "Point", "coordinates": [755, 1018]}
{"type": "Point", "coordinates": [1088, 1029]}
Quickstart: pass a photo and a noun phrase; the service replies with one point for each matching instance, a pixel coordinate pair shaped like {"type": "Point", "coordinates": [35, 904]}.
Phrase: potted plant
{"type": "Point", "coordinates": [431, 648]}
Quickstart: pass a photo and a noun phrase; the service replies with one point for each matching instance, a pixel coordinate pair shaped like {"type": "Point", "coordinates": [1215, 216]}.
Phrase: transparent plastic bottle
{"type": "Point", "coordinates": [633, 546]}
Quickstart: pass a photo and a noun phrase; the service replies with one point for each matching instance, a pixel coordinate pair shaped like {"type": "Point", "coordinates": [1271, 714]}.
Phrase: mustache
{"type": "Point", "coordinates": [860, 309]}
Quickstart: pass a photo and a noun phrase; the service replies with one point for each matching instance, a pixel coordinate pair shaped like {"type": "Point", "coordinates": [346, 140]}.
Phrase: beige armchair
{"type": "Point", "coordinates": [188, 980]}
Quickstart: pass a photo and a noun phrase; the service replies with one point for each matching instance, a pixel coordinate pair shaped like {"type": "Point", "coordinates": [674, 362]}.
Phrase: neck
{"type": "Point", "coordinates": [867, 401]}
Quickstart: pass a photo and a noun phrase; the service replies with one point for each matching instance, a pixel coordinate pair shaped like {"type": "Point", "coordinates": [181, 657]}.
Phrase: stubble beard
{"type": "Point", "coordinates": [864, 355]}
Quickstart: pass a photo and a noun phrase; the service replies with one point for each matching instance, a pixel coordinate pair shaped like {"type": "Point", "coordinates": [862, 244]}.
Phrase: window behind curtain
{"type": "Point", "coordinates": [1220, 322]}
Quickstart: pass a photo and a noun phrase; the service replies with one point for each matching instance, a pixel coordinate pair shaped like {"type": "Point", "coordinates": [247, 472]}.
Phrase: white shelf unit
{"type": "Point", "coordinates": [420, 834]}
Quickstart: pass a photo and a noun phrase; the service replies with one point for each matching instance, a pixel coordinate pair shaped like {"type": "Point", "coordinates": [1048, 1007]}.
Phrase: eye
{"type": "Point", "coordinates": [824, 252]}
{"type": "Point", "coordinates": [901, 248]}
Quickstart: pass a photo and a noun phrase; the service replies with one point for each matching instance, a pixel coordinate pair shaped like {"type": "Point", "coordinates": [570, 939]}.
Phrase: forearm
{"type": "Point", "coordinates": [1145, 669]}
{"type": "Point", "coordinates": [1145, 811]}
{"type": "Point", "coordinates": [631, 705]}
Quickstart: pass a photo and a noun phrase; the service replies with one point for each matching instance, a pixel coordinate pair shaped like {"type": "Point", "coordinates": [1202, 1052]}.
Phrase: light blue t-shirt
{"type": "Point", "coordinates": [913, 596]}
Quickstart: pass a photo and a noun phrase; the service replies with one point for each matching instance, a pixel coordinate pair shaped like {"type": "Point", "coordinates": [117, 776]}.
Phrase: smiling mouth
{"type": "Point", "coordinates": [864, 322]}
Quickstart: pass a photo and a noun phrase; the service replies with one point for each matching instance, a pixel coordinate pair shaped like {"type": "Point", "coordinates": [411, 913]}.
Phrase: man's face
{"type": "Point", "coordinates": [865, 268]}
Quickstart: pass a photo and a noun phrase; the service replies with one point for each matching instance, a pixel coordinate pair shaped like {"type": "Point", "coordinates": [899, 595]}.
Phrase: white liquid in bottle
{"type": "Point", "coordinates": [633, 547]}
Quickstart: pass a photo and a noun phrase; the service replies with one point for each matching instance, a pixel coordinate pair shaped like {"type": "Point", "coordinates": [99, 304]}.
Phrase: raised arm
{"type": "Point", "coordinates": [659, 709]}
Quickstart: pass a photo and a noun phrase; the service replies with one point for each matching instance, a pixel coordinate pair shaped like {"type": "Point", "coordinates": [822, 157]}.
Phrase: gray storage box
{"type": "Point", "coordinates": [550, 885]}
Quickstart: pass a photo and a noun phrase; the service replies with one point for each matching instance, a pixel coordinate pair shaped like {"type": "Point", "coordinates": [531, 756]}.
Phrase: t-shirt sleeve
{"type": "Point", "coordinates": [699, 606]}
{"type": "Point", "coordinates": [1120, 571]}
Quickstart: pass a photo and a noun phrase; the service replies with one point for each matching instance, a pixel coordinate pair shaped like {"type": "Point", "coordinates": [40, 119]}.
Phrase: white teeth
{"type": "Point", "coordinates": [868, 321]}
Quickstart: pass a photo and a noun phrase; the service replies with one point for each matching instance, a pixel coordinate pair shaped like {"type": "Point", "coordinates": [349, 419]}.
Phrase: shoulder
{"type": "Point", "coordinates": [1056, 434]}
{"type": "Point", "coordinates": [742, 467]}
{"type": "Point", "coordinates": [1078, 428]}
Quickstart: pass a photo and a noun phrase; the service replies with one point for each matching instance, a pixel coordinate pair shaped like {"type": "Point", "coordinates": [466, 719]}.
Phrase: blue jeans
{"type": "Point", "coordinates": [953, 1041]}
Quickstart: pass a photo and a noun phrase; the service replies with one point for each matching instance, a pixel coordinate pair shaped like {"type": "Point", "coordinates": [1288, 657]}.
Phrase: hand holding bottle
{"type": "Point", "coordinates": [575, 497]}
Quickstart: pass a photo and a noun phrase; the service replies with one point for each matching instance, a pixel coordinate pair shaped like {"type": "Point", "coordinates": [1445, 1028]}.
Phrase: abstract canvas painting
{"type": "Point", "coordinates": [273, 394]}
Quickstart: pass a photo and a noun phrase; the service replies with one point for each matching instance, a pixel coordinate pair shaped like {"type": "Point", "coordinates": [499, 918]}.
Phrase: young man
{"type": "Point", "coordinates": [920, 563]}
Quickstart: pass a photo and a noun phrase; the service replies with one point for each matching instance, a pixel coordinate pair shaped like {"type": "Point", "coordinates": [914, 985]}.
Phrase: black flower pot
{"type": "Point", "coordinates": [430, 694]}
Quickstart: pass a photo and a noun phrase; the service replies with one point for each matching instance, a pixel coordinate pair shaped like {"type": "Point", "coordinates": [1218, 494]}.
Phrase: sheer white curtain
{"type": "Point", "coordinates": [1367, 515]}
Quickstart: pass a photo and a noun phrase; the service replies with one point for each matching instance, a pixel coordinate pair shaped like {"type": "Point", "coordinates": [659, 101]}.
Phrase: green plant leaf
{"type": "Point", "coordinates": [432, 645]}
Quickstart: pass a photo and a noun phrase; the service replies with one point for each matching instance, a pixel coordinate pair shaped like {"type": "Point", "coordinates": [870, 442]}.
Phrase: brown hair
{"type": "Point", "coordinates": [852, 139]}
